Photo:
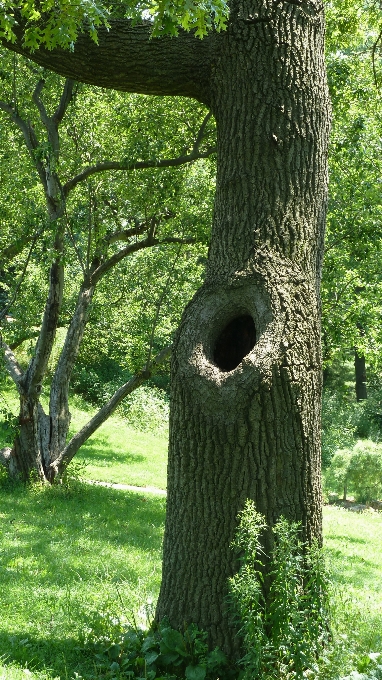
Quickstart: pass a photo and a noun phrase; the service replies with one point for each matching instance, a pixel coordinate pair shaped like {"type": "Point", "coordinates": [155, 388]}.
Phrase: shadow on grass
{"type": "Point", "coordinates": [52, 521]}
{"type": "Point", "coordinates": [97, 451]}
{"type": "Point", "coordinates": [348, 539]}
{"type": "Point", "coordinates": [66, 554]}
{"type": "Point", "coordinates": [60, 658]}
{"type": "Point", "coordinates": [352, 569]}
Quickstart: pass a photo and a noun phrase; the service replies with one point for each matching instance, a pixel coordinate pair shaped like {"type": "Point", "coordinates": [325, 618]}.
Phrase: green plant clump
{"type": "Point", "coordinates": [161, 654]}
{"type": "Point", "coordinates": [285, 634]}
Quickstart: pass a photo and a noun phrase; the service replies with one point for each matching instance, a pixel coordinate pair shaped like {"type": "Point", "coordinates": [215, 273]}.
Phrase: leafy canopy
{"type": "Point", "coordinates": [57, 23]}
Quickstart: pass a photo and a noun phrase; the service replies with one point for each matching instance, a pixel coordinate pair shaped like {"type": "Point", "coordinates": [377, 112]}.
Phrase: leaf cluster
{"type": "Point", "coordinates": [57, 23]}
{"type": "Point", "coordinates": [351, 286]}
{"type": "Point", "coordinates": [161, 654]}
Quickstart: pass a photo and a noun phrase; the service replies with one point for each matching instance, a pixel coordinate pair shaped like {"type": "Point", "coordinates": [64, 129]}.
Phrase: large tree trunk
{"type": "Point", "coordinates": [245, 416]}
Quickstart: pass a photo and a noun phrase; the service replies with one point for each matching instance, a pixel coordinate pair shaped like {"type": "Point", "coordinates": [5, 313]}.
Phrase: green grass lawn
{"type": "Point", "coordinates": [70, 562]}
{"type": "Point", "coordinates": [119, 454]}
{"type": "Point", "coordinates": [73, 560]}
{"type": "Point", "coordinates": [353, 544]}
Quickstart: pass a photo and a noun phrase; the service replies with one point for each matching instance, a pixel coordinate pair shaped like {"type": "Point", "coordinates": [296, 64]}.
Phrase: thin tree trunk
{"type": "Point", "coordinates": [360, 376]}
{"type": "Point", "coordinates": [59, 391]}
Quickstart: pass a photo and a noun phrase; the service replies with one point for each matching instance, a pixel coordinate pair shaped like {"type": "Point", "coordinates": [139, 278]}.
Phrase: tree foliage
{"type": "Point", "coordinates": [53, 23]}
{"type": "Point", "coordinates": [108, 188]}
{"type": "Point", "coordinates": [352, 285]}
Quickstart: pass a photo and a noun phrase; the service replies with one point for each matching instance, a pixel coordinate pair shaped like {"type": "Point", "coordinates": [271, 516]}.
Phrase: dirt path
{"type": "Point", "coordinates": [129, 487]}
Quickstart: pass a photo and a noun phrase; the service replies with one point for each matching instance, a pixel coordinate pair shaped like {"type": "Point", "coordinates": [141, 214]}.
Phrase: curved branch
{"type": "Point", "coordinates": [133, 248]}
{"type": "Point", "coordinates": [103, 414]}
{"type": "Point", "coordinates": [12, 365]}
{"type": "Point", "coordinates": [139, 165]}
{"type": "Point", "coordinates": [66, 98]}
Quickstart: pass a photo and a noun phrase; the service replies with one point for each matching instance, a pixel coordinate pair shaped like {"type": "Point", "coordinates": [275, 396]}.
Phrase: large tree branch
{"type": "Point", "coordinates": [103, 414]}
{"type": "Point", "coordinates": [128, 59]}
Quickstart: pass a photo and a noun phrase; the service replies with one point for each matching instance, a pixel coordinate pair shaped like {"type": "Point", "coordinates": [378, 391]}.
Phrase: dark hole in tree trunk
{"type": "Point", "coordinates": [235, 342]}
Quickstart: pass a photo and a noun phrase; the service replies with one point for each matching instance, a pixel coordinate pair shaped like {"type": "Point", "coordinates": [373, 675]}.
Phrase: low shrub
{"type": "Point", "coordinates": [162, 654]}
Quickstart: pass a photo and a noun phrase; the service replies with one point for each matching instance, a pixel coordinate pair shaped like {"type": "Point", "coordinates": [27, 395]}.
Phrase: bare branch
{"type": "Point", "coordinates": [125, 234]}
{"type": "Point", "coordinates": [80, 438]}
{"type": "Point", "coordinates": [139, 165]}
{"type": "Point", "coordinates": [133, 248]}
{"type": "Point", "coordinates": [39, 103]}
{"type": "Point", "coordinates": [159, 305]}
{"type": "Point", "coordinates": [66, 98]}
{"type": "Point", "coordinates": [22, 275]}
{"type": "Point", "coordinates": [140, 227]}
{"type": "Point", "coordinates": [200, 135]}
{"type": "Point", "coordinates": [12, 364]}
{"type": "Point", "coordinates": [117, 257]}
{"type": "Point", "coordinates": [30, 138]}
{"type": "Point", "coordinates": [47, 121]}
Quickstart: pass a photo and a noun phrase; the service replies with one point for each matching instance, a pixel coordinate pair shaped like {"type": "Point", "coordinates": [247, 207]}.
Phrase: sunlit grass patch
{"type": "Point", "coordinates": [115, 453]}
{"type": "Point", "coordinates": [353, 543]}
{"type": "Point", "coordinates": [69, 558]}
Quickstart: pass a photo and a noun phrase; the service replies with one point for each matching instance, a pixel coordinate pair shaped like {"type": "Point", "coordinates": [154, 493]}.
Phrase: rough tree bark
{"type": "Point", "coordinates": [245, 418]}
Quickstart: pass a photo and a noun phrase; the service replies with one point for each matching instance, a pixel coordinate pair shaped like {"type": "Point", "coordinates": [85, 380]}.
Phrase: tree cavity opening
{"type": "Point", "coordinates": [235, 341]}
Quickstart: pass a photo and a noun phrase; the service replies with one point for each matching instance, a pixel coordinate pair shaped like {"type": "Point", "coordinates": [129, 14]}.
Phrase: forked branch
{"type": "Point", "coordinates": [103, 414]}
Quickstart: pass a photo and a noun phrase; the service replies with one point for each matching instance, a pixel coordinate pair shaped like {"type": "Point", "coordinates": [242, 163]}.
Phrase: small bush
{"type": "Point", "coordinates": [146, 409]}
{"type": "Point", "coordinates": [162, 653]}
{"type": "Point", "coordinates": [357, 471]}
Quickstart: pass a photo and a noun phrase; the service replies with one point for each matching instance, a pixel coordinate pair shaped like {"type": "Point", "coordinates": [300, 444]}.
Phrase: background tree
{"type": "Point", "coordinates": [93, 229]}
{"type": "Point", "coordinates": [351, 285]}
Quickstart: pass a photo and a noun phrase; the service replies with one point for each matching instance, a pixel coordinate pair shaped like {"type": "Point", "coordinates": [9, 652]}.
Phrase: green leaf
{"type": "Point", "coordinates": [173, 639]}
{"type": "Point", "coordinates": [114, 651]}
{"type": "Point", "coordinates": [149, 643]}
{"type": "Point", "coordinates": [151, 657]}
{"type": "Point", "coordinates": [195, 672]}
